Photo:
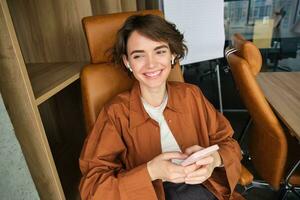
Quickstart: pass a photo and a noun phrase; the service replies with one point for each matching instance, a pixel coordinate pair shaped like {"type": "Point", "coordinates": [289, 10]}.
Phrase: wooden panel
{"type": "Point", "coordinates": [112, 6]}
{"type": "Point", "coordinates": [63, 121]}
{"type": "Point", "coordinates": [20, 104]}
{"type": "Point", "coordinates": [51, 31]}
{"type": "Point", "coordinates": [49, 78]}
{"type": "Point", "coordinates": [147, 4]}
{"type": "Point", "coordinates": [128, 5]}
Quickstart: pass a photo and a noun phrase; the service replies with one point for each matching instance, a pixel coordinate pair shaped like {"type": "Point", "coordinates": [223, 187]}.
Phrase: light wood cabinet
{"type": "Point", "coordinates": [42, 50]}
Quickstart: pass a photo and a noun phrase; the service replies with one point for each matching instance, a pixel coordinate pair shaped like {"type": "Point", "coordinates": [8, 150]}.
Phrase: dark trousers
{"type": "Point", "coordinates": [182, 191]}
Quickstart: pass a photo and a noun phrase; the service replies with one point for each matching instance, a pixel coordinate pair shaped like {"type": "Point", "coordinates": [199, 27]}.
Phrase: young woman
{"type": "Point", "coordinates": [139, 138]}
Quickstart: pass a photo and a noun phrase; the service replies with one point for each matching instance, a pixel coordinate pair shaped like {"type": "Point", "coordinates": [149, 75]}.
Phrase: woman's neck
{"type": "Point", "coordinates": [153, 96]}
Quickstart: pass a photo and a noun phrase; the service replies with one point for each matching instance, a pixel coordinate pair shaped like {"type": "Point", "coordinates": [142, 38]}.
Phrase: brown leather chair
{"type": "Point", "coordinates": [271, 148]}
{"type": "Point", "coordinates": [101, 80]}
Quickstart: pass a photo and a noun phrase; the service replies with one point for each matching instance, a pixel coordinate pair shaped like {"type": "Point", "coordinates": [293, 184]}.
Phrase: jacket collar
{"type": "Point", "coordinates": [137, 113]}
{"type": "Point", "coordinates": [174, 98]}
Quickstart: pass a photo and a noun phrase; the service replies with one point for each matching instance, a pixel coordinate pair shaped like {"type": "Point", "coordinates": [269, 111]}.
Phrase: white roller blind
{"type": "Point", "coordinates": [202, 22]}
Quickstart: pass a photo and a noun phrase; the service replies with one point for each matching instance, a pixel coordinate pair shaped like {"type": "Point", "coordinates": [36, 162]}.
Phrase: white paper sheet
{"type": "Point", "coordinates": [202, 22]}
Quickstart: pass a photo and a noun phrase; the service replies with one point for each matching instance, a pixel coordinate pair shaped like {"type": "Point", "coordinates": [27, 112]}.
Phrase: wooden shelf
{"type": "Point", "coordinates": [48, 79]}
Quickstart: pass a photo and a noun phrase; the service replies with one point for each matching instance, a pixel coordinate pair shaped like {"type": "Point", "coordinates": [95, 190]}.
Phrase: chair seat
{"type": "Point", "coordinates": [246, 177]}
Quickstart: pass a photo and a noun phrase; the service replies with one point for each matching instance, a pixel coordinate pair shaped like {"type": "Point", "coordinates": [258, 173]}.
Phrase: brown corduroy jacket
{"type": "Point", "coordinates": [124, 138]}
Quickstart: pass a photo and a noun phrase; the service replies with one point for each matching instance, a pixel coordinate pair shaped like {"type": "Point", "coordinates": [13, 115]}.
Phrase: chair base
{"type": "Point", "coordinates": [257, 184]}
{"type": "Point", "coordinates": [286, 190]}
{"type": "Point", "coordinates": [287, 187]}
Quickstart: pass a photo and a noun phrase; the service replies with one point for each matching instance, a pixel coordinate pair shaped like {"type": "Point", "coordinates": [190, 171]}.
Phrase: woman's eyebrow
{"type": "Point", "coordinates": [137, 51]}
{"type": "Point", "coordinates": [161, 46]}
{"type": "Point", "coordinates": [156, 48]}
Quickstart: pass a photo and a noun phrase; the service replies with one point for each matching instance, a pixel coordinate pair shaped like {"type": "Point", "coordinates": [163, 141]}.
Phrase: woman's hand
{"type": "Point", "coordinates": [200, 171]}
{"type": "Point", "coordinates": [161, 167]}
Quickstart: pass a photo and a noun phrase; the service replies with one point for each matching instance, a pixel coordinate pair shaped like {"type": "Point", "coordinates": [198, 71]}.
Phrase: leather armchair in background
{"type": "Point", "coordinates": [271, 148]}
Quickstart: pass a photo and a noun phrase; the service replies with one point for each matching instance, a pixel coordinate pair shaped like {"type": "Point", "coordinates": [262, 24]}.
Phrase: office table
{"type": "Point", "coordinates": [282, 91]}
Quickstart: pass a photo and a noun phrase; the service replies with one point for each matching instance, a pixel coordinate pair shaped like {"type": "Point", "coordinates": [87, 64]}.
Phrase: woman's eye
{"type": "Point", "coordinates": [161, 52]}
{"type": "Point", "coordinates": [137, 56]}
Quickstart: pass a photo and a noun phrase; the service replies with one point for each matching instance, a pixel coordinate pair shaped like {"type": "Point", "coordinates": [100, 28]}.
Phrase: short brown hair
{"type": "Point", "coordinates": [153, 27]}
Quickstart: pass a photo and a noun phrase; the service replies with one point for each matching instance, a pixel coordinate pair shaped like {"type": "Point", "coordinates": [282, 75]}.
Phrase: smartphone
{"type": "Point", "coordinates": [199, 155]}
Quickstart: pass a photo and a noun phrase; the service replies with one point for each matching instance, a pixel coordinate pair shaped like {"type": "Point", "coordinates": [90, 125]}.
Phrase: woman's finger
{"type": "Point", "coordinates": [198, 178]}
{"type": "Point", "coordinates": [174, 176]}
{"type": "Point", "coordinates": [177, 180]}
{"type": "Point", "coordinates": [174, 168]}
{"type": "Point", "coordinates": [205, 161]}
{"type": "Point", "coordinates": [192, 149]}
{"type": "Point", "coordinates": [193, 182]}
{"type": "Point", "coordinates": [203, 171]}
{"type": "Point", "coordinates": [173, 155]}
{"type": "Point", "coordinates": [190, 168]}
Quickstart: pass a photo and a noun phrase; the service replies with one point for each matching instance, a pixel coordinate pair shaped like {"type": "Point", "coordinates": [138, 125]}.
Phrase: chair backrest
{"type": "Point", "coordinates": [248, 51]}
{"type": "Point", "coordinates": [101, 80]}
{"type": "Point", "coordinates": [267, 144]}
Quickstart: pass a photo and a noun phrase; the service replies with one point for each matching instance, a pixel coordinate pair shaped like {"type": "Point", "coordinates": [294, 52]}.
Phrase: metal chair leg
{"type": "Point", "coordinates": [243, 134]}
{"type": "Point", "coordinates": [242, 137]}
{"type": "Point", "coordinates": [285, 195]}
{"type": "Point", "coordinates": [256, 184]}
{"type": "Point", "coordinates": [292, 171]}
{"type": "Point", "coordinates": [287, 187]}
{"type": "Point", "coordinates": [295, 192]}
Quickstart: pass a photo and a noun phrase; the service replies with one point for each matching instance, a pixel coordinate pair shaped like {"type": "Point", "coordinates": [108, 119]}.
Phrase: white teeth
{"type": "Point", "coordinates": [152, 74]}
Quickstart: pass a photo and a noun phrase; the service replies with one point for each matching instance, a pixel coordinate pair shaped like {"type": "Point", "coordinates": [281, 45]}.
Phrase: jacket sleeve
{"type": "Point", "coordinates": [220, 132]}
{"type": "Point", "coordinates": [102, 162]}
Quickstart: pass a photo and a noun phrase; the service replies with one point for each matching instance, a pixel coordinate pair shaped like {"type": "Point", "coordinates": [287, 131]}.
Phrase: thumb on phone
{"type": "Point", "coordinates": [192, 149]}
{"type": "Point", "coordinates": [173, 155]}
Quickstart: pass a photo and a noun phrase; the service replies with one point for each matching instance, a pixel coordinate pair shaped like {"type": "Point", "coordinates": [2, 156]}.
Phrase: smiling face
{"type": "Point", "coordinates": [150, 61]}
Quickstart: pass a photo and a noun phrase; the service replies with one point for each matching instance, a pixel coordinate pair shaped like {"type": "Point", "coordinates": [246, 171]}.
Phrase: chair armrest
{"type": "Point", "coordinates": [246, 177]}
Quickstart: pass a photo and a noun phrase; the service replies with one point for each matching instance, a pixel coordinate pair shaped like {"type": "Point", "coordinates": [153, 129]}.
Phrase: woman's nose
{"type": "Point", "coordinates": [151, 62]}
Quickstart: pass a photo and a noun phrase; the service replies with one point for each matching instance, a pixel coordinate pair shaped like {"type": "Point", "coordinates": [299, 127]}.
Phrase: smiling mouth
{"type": "Point", "coordinates": [153, 74]}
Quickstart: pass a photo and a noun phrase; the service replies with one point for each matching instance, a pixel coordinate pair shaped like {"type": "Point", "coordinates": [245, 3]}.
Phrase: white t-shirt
{"type": "Point", "coordinates": [168, 141]}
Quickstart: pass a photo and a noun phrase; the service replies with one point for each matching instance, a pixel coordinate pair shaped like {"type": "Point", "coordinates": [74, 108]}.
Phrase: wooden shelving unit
{"type": "Point", "coordinates": [43, 97]}
{"type": "Point", "coordinates": [43, 49]}
{"type": "Point", "coordinates": [49, 78]}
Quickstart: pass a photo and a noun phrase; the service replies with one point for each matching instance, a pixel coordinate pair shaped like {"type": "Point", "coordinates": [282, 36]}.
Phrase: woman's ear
{"type": "Point", "coordinates": [125, 60]}
{"type": "Point", "coordinates": [173, 59]}
{"type": "Point", "coordinates": [126, 63]}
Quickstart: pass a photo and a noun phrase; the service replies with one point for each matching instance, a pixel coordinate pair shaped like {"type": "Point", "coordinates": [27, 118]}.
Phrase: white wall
{"type": "Point", "coordinates": [15, 179]}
